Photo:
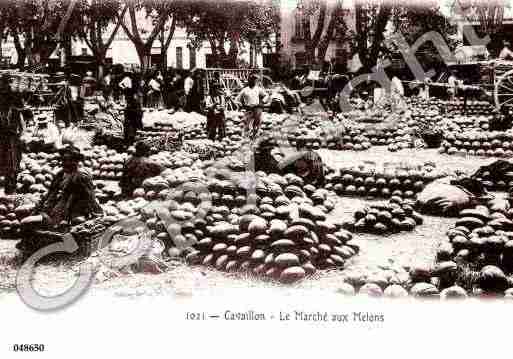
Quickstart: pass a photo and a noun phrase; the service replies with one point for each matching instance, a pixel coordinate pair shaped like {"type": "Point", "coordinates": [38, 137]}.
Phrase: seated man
{"type": "Point", "coordinates": [306, 164]}
{"type": "Point", "coordinates": [138, 168]}
{"type": "Point", "coordinates": [71, 194]}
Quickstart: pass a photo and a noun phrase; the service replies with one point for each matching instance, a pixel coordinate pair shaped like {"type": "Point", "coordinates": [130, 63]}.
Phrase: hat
{"type": "Point", "coordinates": [72, 152]}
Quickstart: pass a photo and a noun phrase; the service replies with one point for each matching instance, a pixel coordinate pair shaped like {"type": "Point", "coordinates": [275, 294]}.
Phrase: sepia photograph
{"type": "Point", "coordinates": [175, 174]}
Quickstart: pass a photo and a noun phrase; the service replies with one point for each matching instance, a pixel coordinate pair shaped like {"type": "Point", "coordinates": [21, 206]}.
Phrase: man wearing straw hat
{"type": "Point", "coordinates": [71, 194]}
{"type": "Point", "coordinates": [12, 127]}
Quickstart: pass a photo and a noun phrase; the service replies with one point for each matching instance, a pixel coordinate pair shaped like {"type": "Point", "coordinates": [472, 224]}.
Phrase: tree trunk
{"type": "Point", "coordinates": [328, 36]}
{"type": "Point", "coordinates": [144, 54]}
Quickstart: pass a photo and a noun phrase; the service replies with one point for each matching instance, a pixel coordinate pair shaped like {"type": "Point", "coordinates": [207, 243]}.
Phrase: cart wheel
{"type": "Point", "coordinates": [504, 91]}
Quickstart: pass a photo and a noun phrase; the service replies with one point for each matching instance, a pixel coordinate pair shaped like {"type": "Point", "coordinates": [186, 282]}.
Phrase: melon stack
{"type": "Point", "coordinates": [479, 143]}
{"type": "Point", "coordinates": [286, 247]}
{"type": "Point", "coordinates": [13, 211]}
{"type": "Point", "coordinates": [395, 216]}
{"type": "Point", "coordinates": [369, 183]}
{"type": "Point", "coordinates": [481, 237]}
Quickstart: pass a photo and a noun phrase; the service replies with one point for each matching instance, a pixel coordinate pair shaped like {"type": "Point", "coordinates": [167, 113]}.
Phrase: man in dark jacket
{"type": "Point", "coordinates": [306, 164]}
{"type": "Point", "coordinates": [71, 194]}
{"type": "Point", "coordinates": [12, 127]}
{"type": "Point", "coordinates": [138, 168]}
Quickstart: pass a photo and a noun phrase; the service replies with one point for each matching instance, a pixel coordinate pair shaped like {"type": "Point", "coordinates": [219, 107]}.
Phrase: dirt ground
{"type": "Point", "coordinates": [377, 252]}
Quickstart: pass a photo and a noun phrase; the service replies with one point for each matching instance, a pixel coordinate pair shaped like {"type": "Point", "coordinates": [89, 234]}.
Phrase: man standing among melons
{"type": "Point", "coordinates": [12, 128]}
{"type": "Point", "coordinates": [252, 98]}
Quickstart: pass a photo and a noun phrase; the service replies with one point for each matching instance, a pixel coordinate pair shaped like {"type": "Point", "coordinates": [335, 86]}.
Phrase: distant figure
{"type": "Point", "coordinates": [133, 110]}
{"type": "Point", "coordinates": [12, 127]}
{"type": "Point", "coordinates": [454, 84]}
{"type": "Point", "coordinates": [251, 98]}
{"type": "Point", "coordinates": [174, 91]}
{"type": "Point", "coordinates": [216, 125]}
{"type": "Point", "coordinates": [154, 93]}
{"type": "Point", "coordinates": [192, 88]}
{"type": "Point", "coordinates": [107, 84]}
{"type": "Point", "coordinates": [138, 168]}
{"type": "Point", "coordinates": [216, 89]}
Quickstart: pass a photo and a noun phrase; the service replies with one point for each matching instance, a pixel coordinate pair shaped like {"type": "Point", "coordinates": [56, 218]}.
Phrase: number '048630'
{"type": "Point", "coordinates": [28, 347]}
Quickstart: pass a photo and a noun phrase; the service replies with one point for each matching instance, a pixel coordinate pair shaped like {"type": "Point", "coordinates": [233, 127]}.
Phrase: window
{"type": "Point", "coordinates": [192, 57]}
{"type": "Point", "coordinates": [84, 51]}
{"type": "Point", "coordinates": [179, 58]}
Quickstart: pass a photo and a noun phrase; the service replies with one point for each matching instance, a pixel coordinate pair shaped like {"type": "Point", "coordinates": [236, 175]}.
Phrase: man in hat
{"type": "Point", "coordinates": [12, 127]}
{"type": "Point", "coordinates": [71, 194]}
{"type": "Point", "coordinates": [138, 168]}
{"type": "Point", "coordinates": [46, 136]}
{"type": "Point", "coordinates": [306, 164]}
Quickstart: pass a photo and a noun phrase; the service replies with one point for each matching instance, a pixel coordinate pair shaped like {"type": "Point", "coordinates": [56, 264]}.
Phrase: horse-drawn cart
{"type": "Point", "coordinates": [493, 80]}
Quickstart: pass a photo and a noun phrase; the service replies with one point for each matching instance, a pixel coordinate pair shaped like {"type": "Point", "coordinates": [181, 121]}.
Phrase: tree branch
{"type": "Point", "coordinates": [116, 29]}
{"type": "Point", "coordinates": [171, 33]}
{"type": "Point", "coordinates": [160, 24]}
{"type": "Point", "coordinates": [320, 23]}
{"type": "Point", "coordinates": [133, 22]}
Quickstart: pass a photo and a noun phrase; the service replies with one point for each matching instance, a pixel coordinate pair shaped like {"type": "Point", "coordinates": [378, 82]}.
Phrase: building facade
{"type": "Point", "coordinates": [295, 17]}
{"type": "Point", "coordinates": [179, 54]}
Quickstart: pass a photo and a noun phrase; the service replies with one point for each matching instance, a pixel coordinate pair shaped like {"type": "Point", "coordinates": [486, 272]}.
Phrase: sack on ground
{"type": "Point", "coordinates": [445, 199]}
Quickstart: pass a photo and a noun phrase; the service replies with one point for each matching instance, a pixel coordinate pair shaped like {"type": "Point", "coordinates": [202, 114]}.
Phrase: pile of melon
{"type": "Point", "coordinates": [396, 216]}
{"type": "Point", "coordinates": [279, 232]}
{"type": "Point", "coordinates": [13, 211]}
{"type": "Point", "coordinates": [364, 182]}
{"type": "Point", "coordinates": [481, 237]}
{"type": "Point", "coordinates": [387, 136]}
{"type": "Point", "coordinates": [108, 168]}
{"type": "Point", "coordinates": [479, 143]}
{"type": "Point", "coordinates": [286, 248]}
{"type": "Point", "coordinates": [37, 171]}
{"type": "Point", "coordinates": [179, 159]}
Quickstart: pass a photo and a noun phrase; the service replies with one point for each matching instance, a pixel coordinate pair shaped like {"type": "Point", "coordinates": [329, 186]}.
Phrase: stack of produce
{"type": "Point", "coordinates": [387, 136]}
{"type": "Point", "coordinates": [401, 142]}
{"type": "Point", "coordinates": [13, 211]}
{"type": "Point", "coordinates": [479, 143]}
{"type": "Point", "coordinates": [396, 216]}
{"type": "Point", "coordinates": [105, 164]}
{"type": "Point", "coordinates": [481, 236]}
{"type": "Point", "coordinates": [179, 159]}
{"type": "Point", "coordinates": [352, 139]}
{"type": "Point", "coordinates": [283, 248]}
{"type": "Point", "coordinates": [195, 132]}
{"type": "Point", "coordinates": [369, 182]}
{"type": "Point", "coordinates": [37, 171]}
